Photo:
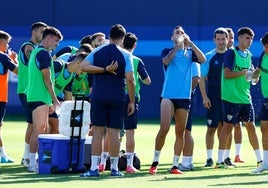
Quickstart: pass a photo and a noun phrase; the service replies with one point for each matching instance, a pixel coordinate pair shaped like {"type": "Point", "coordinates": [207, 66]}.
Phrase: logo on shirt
{"type": "Point", "coordinates": [229, 117]}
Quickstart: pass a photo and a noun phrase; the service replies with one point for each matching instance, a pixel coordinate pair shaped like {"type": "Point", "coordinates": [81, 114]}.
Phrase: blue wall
{"type": "Point", "coordinates": [152, 21]}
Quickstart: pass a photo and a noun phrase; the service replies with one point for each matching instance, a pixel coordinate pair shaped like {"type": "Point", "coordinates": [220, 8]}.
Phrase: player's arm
{"type": "Point", "coordinates": [87, 67]}
{"type": "Point", "coordinates": [28, 50]}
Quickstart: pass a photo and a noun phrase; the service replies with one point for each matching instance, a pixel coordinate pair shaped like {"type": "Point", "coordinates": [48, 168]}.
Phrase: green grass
{"type": "Point", "coordinates": [13, 175]}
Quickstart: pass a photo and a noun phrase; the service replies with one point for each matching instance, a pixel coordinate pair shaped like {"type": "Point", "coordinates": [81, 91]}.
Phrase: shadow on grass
{"type": "Point", "coordinates": [16, 174]}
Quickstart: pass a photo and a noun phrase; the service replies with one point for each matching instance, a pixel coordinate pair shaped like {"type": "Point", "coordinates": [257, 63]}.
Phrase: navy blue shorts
{"type": "Point", "coordinates": [130, 122]}
{"type": "Point", "coordinates": [264, 110]}
{"type": "Point", "coordinates": [234, 113]}
{"type": "Point", "coordinates": [107, 113]}
{"type": "Point", "coordinates": [27, 113]}
{"type": "Point", "coordinates": [180, 103]}
{"type": "Point", "coordinates": [214, 114]}
{"type": "Point", "coordinates": [54, 114]}
{"type": "Point", "coordinates": [2, 111]}
{"type": "Point", "coordinates": [32, 106]}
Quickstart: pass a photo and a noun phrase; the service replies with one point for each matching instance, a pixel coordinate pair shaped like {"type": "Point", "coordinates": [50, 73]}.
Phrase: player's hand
{"type": "Point", "coordinates": [130, 108]}
{"type": "Point", "coordinates": [112, 67]}
{"type": "Point", "coordinates": [206, 103]}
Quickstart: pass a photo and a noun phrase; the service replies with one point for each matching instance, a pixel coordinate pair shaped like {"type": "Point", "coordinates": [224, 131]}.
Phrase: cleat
{"type": "Point", "coordinates": [90, 173]}
{"type": "Point", "coordinates": [175, 170]}
{"type": "Point", "coordinates": [25, 162]}
{"type": "Point", "coordinates": [260, 168]}
{"type": "Point", "coordinates": [209, 163]}
{"type": "Point", "coordinates": [153, 168]}
{"type": "Point", "coordinates": [101, 168]}
{"type": "Point", "coordinates": [238, 159]}
{"type": "Point", "coordinates": [115, 173]}
{"type": "Point", "coordinates": [220, 165]}
{"type": "Point", "coordinates": [33, 169]}
{"type": "Point", "coordinates": [228, 162]}
{"type": "Point", "coordinates": [191, 166]}
{"type": "Point", "coordinates": [183, 168]}
{"type": "Point", "coordinates": [6, 160]}
{"type": "Point", "coordinates": [131, 169]}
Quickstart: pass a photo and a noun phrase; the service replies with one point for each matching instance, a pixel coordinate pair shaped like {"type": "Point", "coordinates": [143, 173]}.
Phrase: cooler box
{"type": "Point", "coordinates": [78, 117]}
{"type": "Point", "coordinates": [87, 153]}
{"type": "Point", "coordinates": [54, 154]}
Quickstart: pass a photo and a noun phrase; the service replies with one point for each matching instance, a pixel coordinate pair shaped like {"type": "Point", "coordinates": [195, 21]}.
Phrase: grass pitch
{"type": "Point", "coordinates": [14, 175]}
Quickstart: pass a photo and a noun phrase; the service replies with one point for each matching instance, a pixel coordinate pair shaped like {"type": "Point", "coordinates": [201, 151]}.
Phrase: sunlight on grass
{"type": "Point", "coordinates": [14, 175]}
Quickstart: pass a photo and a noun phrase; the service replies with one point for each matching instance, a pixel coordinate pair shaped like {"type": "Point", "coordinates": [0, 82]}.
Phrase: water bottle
{"type": "Point", "coordinates": [180, 39]}
{"type": "Point", "coordinates": [254, 81]}
{"type": "Point", "coordinates": [248, 75]}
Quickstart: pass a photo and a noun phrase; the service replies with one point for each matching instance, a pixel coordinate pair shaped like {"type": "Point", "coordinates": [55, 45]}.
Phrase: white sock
{"type": "Point", "coordinates": [26, 151]}
{"type": "Point", "coordinates": [32, 157]}
{"type": "Point", "coordinates": [2, 152]}
{"type": "Point", "coordinates": [190, 159]}
{"type": "Point", "coordinates": [237, 149]}
{"type": "Point", "coordinates": [156, 155]}
{"type": "Point", "coordinates": [130, 156]}
{"type": "Point", "coordinates": [226, 153]}
{"type": "Point", "coordinates": [209, 153]}
{"type": "Point", "coordinates": [95, 160]}
{"type": "Point", "coordinates": [258, 154]}
{"type": "Point", "coordinates": [114, 163]}
{"type": "Point", "coordinates": [265, 157]}
{"type": "Point", "coordinates": [176, 159]}
{"type": "Point", "coordinates": [185, 161]}
{"type": "Point", "coordinates": [220, 156]}
{"type": "Point", "coordinates": [103, 158]}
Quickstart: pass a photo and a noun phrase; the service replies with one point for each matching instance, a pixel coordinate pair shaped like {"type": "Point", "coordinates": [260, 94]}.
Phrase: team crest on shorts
{"type": "Point", "coordinates": [209, 121]}
{"type": "Point", "coordinates": [229, 117]}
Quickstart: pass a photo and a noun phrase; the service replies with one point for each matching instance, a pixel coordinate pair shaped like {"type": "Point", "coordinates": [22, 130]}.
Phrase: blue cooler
{"type": "Point", "coordinates": [54, 154]}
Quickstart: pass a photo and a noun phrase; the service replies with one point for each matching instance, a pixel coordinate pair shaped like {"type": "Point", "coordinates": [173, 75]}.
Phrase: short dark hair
{"type": "Point", "coordinates": [129, 40]}
{"type": "Point", "coordinates": [221, 30]}
{"type": "Point", "coordinates": [229, 30]}
{"type": "Point", "coordinates": [5, 35]}
{"type": "Point", "coordinates": [264, 39]}
{"type": "Point", "coordinates": [82, 55]}
{"type": "Point", "coordinates": [86, 47]}
{"type": "Point", "coordinates": [36, 25]}
{"type": "Point", "coordinates": [245, 30]}
{"type": "Point", "coordinates": [52, 31]}
{"type": "Point", "coordinates": [85, 40]}
{"type": "Point", "coordinates": [117, 31]}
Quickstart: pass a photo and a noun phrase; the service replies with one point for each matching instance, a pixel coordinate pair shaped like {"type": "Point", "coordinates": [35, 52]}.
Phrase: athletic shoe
{"type": "Point", "coordinates": [191, 166]}
{"type": "Point", "coordinates": [220, 165]}
{"type": "Point", "coordinates": [25, 162]}
{"type": "Point", "coordinates": [101, 168]}
{"type": "Point", "coordinates": [90, 173]}
{"type": "Point", "coordinates": [183, 168]}
{"type": "Point", "coordinates": [6, 160]}
{"type": "Point", "coordinates": [228, 162]}
{"type": "Point", "coordinates": [259, 163]}
{"type": "Point", "coordinates": [209, 162]}
{"type": "Point", "coordinates": [238, 159]}
{"type": "Point", "coordinates": [260, 168]}
{"type": "Point", "coordinates": [175, 170]}
{"type": "Point", "coordinates": [33, 169]}
{"type": "Point", "coordinates": [115, 173]}
{"type": "Point", "coordinates": [153, 168]}
{"type": "Point", "coordinates": [131, 169]}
